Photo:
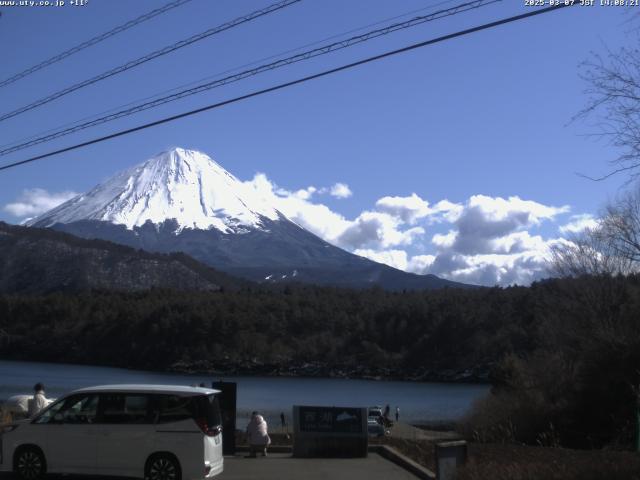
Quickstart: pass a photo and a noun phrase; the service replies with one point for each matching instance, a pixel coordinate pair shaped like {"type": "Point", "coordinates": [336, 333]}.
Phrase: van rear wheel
{"type": "Point", "coordinates": [29, 464]}
{"type": "Point", "coordinates": [162, 467]}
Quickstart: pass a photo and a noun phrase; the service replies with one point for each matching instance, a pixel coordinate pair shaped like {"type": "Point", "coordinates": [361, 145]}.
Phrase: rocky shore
{"type": "Point", "coordinates": [477, 374]}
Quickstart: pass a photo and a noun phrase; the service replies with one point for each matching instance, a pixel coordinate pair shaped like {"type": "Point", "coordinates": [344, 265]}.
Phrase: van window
{"type": "Point", "coordinates": [83, 410]}
{"type": "Point", "coordinates": [78, 409]}
{"type": "Point", "coordinates": [173, 408]}
{"type": "Point", "coordinates": [125, 408]}
{"type": "Point", "coordinates": [207, 407]}
{"type": "Point", "coordinates": [47, 415]}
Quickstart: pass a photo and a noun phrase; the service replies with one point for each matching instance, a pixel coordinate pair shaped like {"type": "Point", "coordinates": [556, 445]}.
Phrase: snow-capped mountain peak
{"type": "Point", "coordinates": [183, 201]}
{"type": "Point", "coordinates": [185, 185]}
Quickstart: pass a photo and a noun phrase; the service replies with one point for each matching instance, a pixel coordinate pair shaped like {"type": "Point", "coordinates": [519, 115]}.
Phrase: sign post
{"type": "Point", "coordinates": [227, 399]}
{"type": "Point", "coordinates": [330, 432]}
{"type": "Point", "coordinates": [449, 456]}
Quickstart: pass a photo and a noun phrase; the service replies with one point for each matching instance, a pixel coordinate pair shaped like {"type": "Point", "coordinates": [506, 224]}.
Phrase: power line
{"type": "Point", "coordinates": [322, 50]}
{"type": "Point", "coordinates": [94, 40]}
{"type": "Point", "coordinates": [151, 56]}
{"type": "Point", "coordinates": [281, 86]}
{"type": "Point", "coordinates": [78, 122]}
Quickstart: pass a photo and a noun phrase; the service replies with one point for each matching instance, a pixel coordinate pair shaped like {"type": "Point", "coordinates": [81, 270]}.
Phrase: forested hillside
{"type": "Point", "coordinates": [404, 335]}
{"type": "Point", "coordinates": [36, 260]}
{"type": "Point", "coordinates": [564, 353]}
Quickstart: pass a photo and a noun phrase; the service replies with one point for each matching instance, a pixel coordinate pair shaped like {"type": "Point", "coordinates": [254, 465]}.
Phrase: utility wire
{"type": "Point", "coordinates": [151, 56]}
{"type": "Point", "coordinates": [218, 75]}
{"type": "Point", "coordinates": [281, 86]}
{"type": "Point", "coordinates": [323, 50]}
{"type": "Point", "coordinates": [94, 40]}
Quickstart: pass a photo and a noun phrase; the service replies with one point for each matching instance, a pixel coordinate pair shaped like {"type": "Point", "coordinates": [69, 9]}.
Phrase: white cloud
{"type": "Point", "coordinates": [498, 208]}
{"type": "Point", "coordinates": [518, 242]}
{"type": "Point", "coordinates": [489, 241]}
{"type": "Point", "coordinates": [486, 221]}
{"type": "Point", "coordinates": [420, 263]}
{"type": "Point", "coordinates": [408, 209]}
{"type": "Point", "coordinates": [444, 240]}
{"type": "Point", "coordinates": [578, 223]}
{"type": "Point", "coordinates": [489, 269]}
{"type": "Point", "coordinates": [413, 208]}
{"type": "Point", "coordinates": [370, 230]}
{"type": "Point", "coordinates": [304, 193]}
{"type": "Point", "coordinates": [393, 258]}
{"type": "Point", "coordinates": [340, 190]}
{"type": "Point", "coordinates": [317, 218]}
{"type": "Point", "coordinates": [377, 230]}
{"type": "Point", "coordinates": [447, 211]}
{"type": "Point", "coordinates": [35, 201]}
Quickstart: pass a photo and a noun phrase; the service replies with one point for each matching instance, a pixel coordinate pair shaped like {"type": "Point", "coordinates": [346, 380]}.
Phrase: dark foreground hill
{"type": "Point", "coordinates": [34, 260]}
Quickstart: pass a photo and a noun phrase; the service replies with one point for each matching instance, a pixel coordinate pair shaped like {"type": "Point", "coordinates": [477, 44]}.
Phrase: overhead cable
{"type": "Point", "coordinates": [281, 86]}
{"type": "Point", "coordinates": [94, 40]}
{"type": "Point", "coordinates": [217, 75]}
{"type": "Point", "coordinates": [151, 56]}
{"type": "Point", "coordinates": [322, 50]}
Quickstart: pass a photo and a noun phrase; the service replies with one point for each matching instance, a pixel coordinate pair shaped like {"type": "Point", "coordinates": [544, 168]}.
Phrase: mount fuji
{"type": "Point", "coordinates": [182, 200]}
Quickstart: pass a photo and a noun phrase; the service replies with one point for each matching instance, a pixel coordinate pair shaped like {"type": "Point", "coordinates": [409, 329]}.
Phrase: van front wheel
{"type": "Point", "coordinates": [162, 467]}
{"type": "Point", "coordinates": [29, 463]}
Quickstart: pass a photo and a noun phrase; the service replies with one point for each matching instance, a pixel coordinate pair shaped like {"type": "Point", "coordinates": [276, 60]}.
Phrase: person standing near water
{"type": "Point", "coordinates": [397, 413]}
{"type": "Point", "coordinates": [282, 420]}
{"type": "Point", "coordinates": [257, 435]}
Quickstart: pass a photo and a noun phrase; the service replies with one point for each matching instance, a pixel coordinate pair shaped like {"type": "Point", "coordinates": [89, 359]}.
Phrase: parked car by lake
{"type": "Point", "coordinates": [375, 426]}
{"type": "Point", "coordinates": [375, 412]}
{"type": "Point", "coordinates": [156, 432]}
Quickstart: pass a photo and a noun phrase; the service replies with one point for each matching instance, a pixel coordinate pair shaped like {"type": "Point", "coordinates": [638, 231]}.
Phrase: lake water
{"type": "Point", "coordinates": [419, 402]}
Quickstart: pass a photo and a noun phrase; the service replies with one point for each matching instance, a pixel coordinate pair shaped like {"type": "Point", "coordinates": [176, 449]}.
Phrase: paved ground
{"type": "Point", "coordinates": [280, 466]}
{"type": "Point", "coordinates": [284, 467]}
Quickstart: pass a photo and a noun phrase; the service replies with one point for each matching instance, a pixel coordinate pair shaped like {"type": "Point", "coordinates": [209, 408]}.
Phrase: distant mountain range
{"type": "Point", "coordinates": [183, 201]}
{"type": "Point", "coordinates": [34, 260]}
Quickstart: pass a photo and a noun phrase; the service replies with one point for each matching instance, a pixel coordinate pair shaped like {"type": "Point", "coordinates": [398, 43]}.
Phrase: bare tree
{"type": "Point", "coordinates": [614, 102]}
{"type": "Point", "coordinates": [620, 226]}
{"type": "Point", "coordinates": [611, 248]}
{"type": "Point", "coordinates": [587, 253]}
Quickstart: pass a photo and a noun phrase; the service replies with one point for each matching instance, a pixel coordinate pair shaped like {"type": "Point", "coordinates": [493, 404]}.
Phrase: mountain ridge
{"type": "Point", "coordinates": [182, 200]}
{"type": "Point", "coordinates": [35, 261]}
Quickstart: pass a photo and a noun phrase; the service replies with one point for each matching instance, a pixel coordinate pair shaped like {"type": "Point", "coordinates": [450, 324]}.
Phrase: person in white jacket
{"type": "Point", "coordinates": [39, 400]}
{"type": "Point", "coordinates": [257, 435]}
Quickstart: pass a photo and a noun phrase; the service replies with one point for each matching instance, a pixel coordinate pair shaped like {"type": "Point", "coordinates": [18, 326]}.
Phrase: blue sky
{"type": "Point", "coordinates": [481, 122]}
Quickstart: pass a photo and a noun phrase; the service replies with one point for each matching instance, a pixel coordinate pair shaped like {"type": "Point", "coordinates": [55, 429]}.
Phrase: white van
{"type": "Point", "coordinates": [156, 432]}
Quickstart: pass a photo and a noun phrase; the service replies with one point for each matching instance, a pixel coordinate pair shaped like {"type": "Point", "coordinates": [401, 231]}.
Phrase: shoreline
{"type": "Point", "coordinates": [316, 370]}
{"type": "Point", "coordinates": [478, 375]}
